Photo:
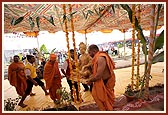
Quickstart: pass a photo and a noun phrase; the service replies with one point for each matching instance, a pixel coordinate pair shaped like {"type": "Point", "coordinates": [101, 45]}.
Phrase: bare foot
{"type": "Point", "coordinates": [22, 105]}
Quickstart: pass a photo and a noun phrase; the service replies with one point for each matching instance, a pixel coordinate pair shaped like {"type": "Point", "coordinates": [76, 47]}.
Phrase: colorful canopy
{"type": "Point", "coordinates": [86, 17]}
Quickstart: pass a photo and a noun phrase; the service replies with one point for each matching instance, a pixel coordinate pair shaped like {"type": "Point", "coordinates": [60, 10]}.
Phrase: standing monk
{"type": "Point", "coordinates": [103, 78]}
{"type": "Point", "coordinates": [52, 78]}
{"type": "Point", "coordinates": [16, 75]}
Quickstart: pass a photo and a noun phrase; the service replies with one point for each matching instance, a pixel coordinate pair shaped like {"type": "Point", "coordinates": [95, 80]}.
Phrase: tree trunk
{"type": "Point", "coordinates": [150, 52]}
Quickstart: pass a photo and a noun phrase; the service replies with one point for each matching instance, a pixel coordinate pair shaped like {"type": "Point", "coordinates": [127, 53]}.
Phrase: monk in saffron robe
{"type": "Point", "coordinates": [103, 78]}
{"type": "Point", "coordinates": [52, 78]}
{"type": "Point", "coordinates": [16, 75]}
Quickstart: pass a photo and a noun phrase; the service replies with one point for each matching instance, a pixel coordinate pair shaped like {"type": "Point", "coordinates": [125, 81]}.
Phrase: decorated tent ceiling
{"type": "Point", "coordinates": [90, 17]}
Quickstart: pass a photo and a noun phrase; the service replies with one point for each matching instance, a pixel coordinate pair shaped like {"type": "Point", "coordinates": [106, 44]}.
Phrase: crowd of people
{"type": "Point", "coordinates": [95, 66]}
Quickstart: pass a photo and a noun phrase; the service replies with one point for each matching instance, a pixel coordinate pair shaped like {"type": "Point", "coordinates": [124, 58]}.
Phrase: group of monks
{"type": "Point", "coordinates": [101, 77]}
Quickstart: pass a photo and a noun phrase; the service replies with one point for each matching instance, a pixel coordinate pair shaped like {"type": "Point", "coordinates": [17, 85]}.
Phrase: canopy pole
{"type": "Point", "coordinates": [85, 38]}
{"type": "Point", "coordinates": [38, 44]}
{"type": "Point", "coordinates": [124, 45]}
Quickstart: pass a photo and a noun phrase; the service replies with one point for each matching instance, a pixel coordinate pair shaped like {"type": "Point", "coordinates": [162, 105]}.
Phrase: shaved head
{"type": "Point", "coordinates": [92, 50]}
{"type": "Point", "coordinates": [93, 47]}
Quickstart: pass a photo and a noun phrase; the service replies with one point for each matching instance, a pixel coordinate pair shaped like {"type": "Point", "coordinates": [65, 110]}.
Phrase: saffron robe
{"type": "Point", "coordinates": [103, 94]}
{"type": "Point", "coordinates": [17, 78]}
{"type": "Point", "coordinates": [52, 78]}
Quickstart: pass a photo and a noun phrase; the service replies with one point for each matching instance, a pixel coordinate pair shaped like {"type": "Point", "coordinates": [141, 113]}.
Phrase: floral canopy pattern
{"type": "Point", "coordinates": [86, 17]}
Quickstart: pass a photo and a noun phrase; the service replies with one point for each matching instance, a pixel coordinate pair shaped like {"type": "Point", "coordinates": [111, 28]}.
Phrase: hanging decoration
{"type": "Point", "coordinates": [84, 31]}
{"type": "Point", "coordinates": [92, 12]}
{"type": "Point", "coordinates": [38, 22]}
{"type": "Point", "coordinates": [51, 19]}
{"type": "Point", "coordinates": [32, 24]}
{"type": "Point", "coordinates": [32, 34]}
{"type": "Point", "coordinates": [75, 53]}
{"type": "Point", "coordinates": [133, 45]}
{"type": "Point", "coordinates": [16, 35]}
{"type": "Point", "coordinates": [17, 21]}
{"type": "Point", "coordinates": [138, 50]}
{"type": "Point", "coordinates": [106, 31]}
{"type": "Point", "coordinates": [69, 55]}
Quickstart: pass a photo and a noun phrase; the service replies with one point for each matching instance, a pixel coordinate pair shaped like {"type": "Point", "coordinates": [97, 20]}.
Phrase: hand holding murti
{"type": "Point", "coordinates": [85, 74]}
{"type": "Point", "coordinates": [89, 82]}
{"type": "Point", "coordinates": [83, 68]}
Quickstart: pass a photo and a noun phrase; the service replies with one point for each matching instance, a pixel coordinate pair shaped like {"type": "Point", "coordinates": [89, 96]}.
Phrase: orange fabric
{"type": "Point", "coordinates": [56, 84]}
{"type": "Point", "coordinates": [52, 78]}
{"type": "Point", "coordinates": [17, 77]}
{"type": "Point", "coordinates": [103, 94]}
